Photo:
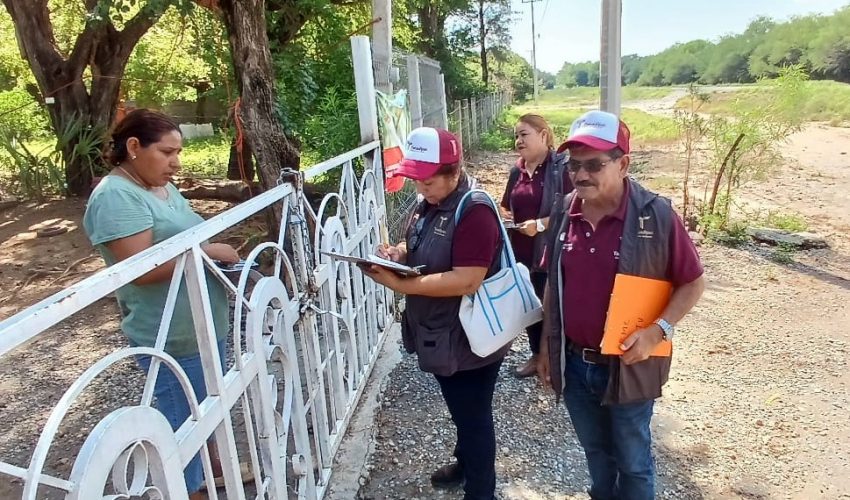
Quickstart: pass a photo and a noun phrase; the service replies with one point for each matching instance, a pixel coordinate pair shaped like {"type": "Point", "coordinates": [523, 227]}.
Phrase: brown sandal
{"type": "Point", "coordinates": [529, 369]}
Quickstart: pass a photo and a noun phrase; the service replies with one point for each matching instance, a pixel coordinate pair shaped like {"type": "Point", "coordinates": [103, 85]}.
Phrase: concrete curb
{"type": "Point", "coordinates": [350, 469]}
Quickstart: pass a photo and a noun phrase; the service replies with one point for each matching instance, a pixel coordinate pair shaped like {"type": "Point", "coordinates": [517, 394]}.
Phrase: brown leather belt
{"type": "Point", "coordinates": [590, 356]}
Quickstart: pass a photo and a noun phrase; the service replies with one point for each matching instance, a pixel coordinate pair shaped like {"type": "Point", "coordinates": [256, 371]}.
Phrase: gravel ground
{"type": "Point", "coordinates": [538, 454]}
{"type": "Point", "coordinates": [735, 422]}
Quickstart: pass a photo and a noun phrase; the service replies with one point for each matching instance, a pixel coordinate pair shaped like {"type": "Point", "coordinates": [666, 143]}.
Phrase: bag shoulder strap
{"type": "Point", "coordinates": [480, 197]}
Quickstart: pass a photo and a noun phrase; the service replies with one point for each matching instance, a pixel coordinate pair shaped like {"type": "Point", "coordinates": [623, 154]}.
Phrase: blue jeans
{"type": "Point", "coordinates": [616, 438]}
{"type": "Point", "coordinates": [172, 402]}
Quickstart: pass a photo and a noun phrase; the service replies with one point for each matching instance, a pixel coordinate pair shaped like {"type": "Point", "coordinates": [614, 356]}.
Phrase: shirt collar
{"type": "Point", "coordinates": [521, 164]}
{"type": "Point", "coordinates": [575, 207]}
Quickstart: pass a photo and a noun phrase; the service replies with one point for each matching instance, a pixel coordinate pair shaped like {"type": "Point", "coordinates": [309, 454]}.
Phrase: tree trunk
{"type": "Point", "coordinates": [713, 200]}
{"type": "Point", "coordinates": [482, 37]}
{"type": "Point", "coordinates": [249, 46]}
{"type": "Point", "coordinates": [234, 171]}
{"type": "Point", "coordinates": [77, 111]}
{"type": "Point", "coordinates": [234, 191]}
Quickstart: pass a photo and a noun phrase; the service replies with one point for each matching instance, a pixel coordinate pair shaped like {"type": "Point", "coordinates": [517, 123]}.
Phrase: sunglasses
{"type": "Point", "coordinates": [591, 166]}
{"type": "Point", "coordinates": [416, 237]}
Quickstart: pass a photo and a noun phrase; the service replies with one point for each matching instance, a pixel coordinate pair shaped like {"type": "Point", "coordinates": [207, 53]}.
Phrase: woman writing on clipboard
{"type": "Point", "coordinates": [456, 259]}
{"type": "Point", "coordinates": [534, 183]}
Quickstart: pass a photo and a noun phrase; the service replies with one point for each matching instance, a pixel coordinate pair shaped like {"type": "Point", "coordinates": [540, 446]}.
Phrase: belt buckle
{"type": "Point", "coordinates": [584, 353]}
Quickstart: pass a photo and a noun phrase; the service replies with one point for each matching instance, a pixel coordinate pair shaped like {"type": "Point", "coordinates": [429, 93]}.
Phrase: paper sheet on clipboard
{"type": "Point", "coordinates": [377, 261]}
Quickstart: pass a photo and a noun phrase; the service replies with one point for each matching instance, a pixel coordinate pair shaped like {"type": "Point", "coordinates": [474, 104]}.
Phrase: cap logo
{"type": "Point", "coordinates": [592, 124]}
{"type": "Point", "coordinates": [414, 147]}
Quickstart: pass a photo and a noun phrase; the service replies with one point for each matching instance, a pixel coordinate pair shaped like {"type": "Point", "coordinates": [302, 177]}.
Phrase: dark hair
{"type": "Point", "coordinates": [616, 153]}
{"type": "Point", "coordinates": [449, 169]}
{"type": "Point", "coordinates": [539, 124]}
{"type": "Point", "coordinates": [145, 125]}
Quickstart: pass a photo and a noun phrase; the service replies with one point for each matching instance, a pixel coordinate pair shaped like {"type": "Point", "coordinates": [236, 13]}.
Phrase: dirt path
{"type": "Point", "coordinates": [665, 105]}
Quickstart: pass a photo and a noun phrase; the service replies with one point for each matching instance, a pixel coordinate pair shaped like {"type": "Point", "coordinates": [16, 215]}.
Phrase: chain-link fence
{"type": "Point", "coordinates": [469, 119]}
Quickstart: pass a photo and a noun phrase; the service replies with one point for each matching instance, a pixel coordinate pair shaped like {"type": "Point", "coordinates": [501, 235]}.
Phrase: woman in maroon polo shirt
{"type": "Point", "coordinates": [534, 183]}
{"type": "Point", "coordinates": [457, 256]}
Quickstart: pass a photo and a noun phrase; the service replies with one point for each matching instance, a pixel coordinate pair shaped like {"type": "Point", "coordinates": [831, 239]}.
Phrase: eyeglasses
{"type": "Point", "coordinates": [591, 166]}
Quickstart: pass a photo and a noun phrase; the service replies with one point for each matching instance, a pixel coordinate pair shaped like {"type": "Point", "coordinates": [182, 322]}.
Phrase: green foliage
{"type": "Point", "coordinates": [825, 101]}
{"type": "Point", "coordinates": [589, 96]}
{"type": "Point", "coordinates": [501, 136]}
{"type": "Point", "coordinates": [510, 70]}
{"type": "Point", "coordinates": [633, 66]}
{"type": "Point", "coordinates": [818, 44]}
{"type": "Point", "coordinates": [646, 128]}
{"type": "Point", "coordinates": [35, 173]}
{"type": "Point", "coordinates": [680, 64]}
{"type": "Point", "coordinates": [332, 128]}
{"type": "Point", "coordinates": [21, 116]}
{"type": "Point", "coordinates": [84, 142]}
{"type": "Point", "coordinates": [206, 156]}
{"type": "Point", "coordinates": [790, 222]}
{"type": "Point", "coordinates": [315, 83]}
{"type": "Point", "coordinates": [180, 58]}
{"type": "Point", "coordinates": [720, 230]}
{"type": "Point", "coordinates": [745, 146]}
{"type": "Point", "coordinates": [584, 74]}
{"type": "Point", "coordinates": [14, 71]}
{"type": "Point", "coordinates": [783, 254]}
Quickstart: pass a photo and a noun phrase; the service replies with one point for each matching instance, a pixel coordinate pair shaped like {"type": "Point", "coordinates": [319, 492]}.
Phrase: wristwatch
{"type": "Point", "coordinates": [666, 328]}
{"type": "Point", "coordinates": [540, 226]}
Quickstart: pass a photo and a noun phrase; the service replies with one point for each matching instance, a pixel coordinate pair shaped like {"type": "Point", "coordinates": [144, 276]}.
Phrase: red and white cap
{"type": "Point", "coordinates": [427, 150]}
{"type": "Point", "coordinates": [599, 130]}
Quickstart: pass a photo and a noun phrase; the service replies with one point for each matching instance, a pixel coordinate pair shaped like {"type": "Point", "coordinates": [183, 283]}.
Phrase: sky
{"type": "Point", "coordinates": [568, 30]}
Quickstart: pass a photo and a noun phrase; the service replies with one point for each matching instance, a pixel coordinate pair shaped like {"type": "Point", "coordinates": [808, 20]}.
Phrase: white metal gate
{"type": "Point", "coordinates": [306, 334]}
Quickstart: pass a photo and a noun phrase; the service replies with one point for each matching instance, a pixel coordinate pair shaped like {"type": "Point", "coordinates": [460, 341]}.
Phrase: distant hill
{"type": "Point", "coordinates": [818, 43]}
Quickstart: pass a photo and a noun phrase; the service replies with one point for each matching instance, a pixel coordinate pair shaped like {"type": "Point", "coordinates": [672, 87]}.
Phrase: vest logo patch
{"type": "Point", "coordinates": [643, 232]}
{"type": "Point", "coordinates": [440, 228]}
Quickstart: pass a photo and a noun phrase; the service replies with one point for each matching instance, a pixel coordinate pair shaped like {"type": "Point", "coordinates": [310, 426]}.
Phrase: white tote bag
{"type": "Point", "coordinates": [504, 304]}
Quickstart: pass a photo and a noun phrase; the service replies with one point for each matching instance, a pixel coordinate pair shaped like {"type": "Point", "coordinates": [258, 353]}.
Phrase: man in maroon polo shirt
{"type": "Point", "coordinates": [611, 225]}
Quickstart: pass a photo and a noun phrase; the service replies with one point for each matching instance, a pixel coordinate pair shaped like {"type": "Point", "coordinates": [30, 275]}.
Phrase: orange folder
{"type": "Point", "coordinates": [635, 303]}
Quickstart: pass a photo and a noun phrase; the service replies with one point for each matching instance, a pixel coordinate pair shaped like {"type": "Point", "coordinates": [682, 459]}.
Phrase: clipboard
{"type": "Point", "coordinates": [635, 303]}
{"type": "Point", "coordinates": [374, 260]}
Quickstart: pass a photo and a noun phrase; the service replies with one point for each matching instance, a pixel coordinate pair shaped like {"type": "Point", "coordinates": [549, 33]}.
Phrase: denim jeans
{"type": "Point", "coordinates": [616, 438]}
{"type": "Point", "coordinates": [172, 402]}
{"type": "Point", "coordinates": [469, 396]}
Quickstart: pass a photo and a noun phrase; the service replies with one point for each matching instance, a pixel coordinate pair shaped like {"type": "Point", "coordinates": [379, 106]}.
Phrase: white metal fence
{"type": "Point", "coordinates": [306, 333]}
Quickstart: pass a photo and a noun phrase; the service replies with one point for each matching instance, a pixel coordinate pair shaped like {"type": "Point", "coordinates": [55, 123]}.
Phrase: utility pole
{"type": "Point", "coordinates": [610, 62]}
{"type": "Point", "coordinates": [533, 45]}
{"type": "Point", "coordinates": [382, 45]}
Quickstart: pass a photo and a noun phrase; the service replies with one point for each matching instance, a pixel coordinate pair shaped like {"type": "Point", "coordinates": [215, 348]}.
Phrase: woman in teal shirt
{"type": "Point", "coordinates": [133, 208]}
